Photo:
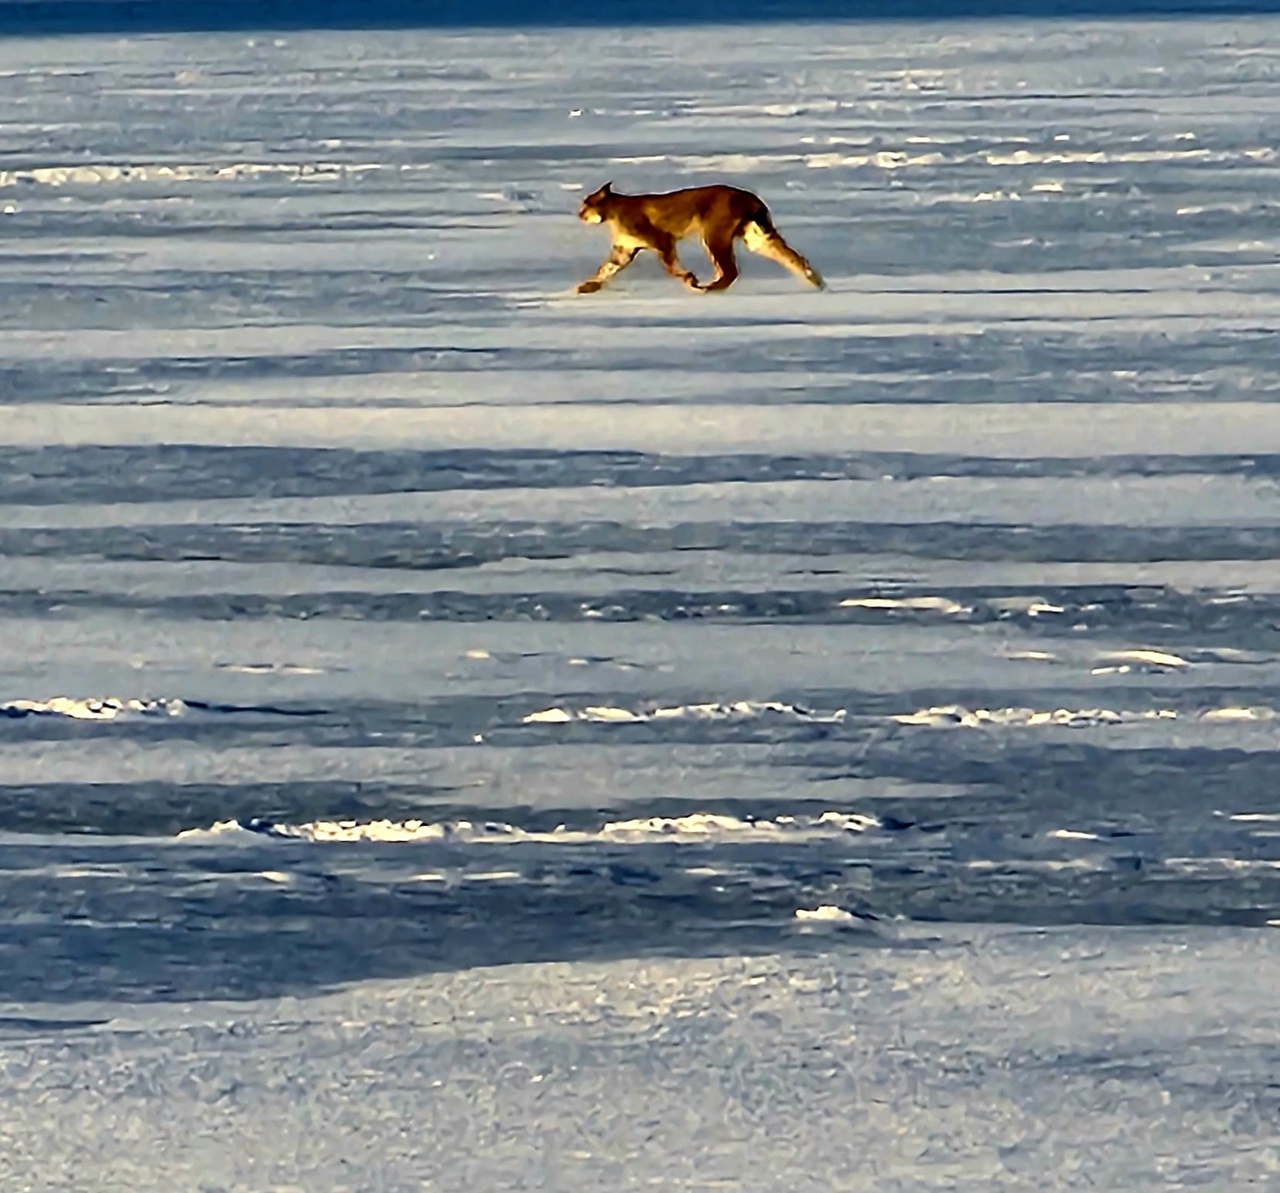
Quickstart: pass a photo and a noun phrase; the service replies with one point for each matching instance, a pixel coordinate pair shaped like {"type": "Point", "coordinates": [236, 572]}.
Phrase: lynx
{"type": "Point", "coordinates": [718, 214]}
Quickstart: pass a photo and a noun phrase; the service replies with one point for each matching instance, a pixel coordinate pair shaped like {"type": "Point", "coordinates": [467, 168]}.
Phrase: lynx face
{"type": "Point", "coordinates": [592, 209]}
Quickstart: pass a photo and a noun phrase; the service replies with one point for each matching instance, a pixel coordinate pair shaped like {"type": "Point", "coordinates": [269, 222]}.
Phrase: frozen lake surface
{"type": "Point", "coordinates": [458, 734]}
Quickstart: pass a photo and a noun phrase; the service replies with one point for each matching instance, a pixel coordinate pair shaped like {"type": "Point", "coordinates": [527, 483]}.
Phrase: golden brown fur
{"type": "Point", "coordinates": [718, 214]}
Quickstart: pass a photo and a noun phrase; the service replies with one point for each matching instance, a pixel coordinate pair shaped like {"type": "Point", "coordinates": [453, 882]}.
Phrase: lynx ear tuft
{"type": "Point", "coordinates": [607, 188]}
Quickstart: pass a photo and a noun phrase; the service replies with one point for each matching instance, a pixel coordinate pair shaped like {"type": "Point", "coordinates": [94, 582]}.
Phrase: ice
{"type": "Point", "coordinates": [456, 733]}
{"type": "Point", "coordinates": [996, 430]}
{"type": "Point", "coordinates": [1010, 1057]}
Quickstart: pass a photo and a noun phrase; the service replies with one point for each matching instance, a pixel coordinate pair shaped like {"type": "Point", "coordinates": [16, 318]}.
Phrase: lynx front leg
{"type": "Point", "coordinates": [619, 258]}
{"type": "Point", "coordinates": [665, 247]}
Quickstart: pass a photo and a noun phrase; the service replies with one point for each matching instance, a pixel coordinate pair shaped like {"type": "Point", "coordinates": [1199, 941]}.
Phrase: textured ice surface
{"type": "Point", "coordinates": [919, 1060]}
{"type": "Point", "coordinates": [457, 734]}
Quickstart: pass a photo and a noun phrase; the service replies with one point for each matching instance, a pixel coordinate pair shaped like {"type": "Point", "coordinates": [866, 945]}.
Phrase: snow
{"type": "Point", "coordinates": [738, 710]}
{"type": "Point", "coordinates": [701, 827]}
{"type": "Point", "coordinates": [455, 733]}
{"type": "Point", "coordinates": [104, 709]}
{"type": "Point", "coordinates": [1011, 1059]}
{"type": "Point", "coordinates": [972, 718]}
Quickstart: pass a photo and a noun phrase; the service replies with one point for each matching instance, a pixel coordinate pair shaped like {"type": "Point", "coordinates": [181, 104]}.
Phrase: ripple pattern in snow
{"type": "Point", "coordinates": [329, 515]}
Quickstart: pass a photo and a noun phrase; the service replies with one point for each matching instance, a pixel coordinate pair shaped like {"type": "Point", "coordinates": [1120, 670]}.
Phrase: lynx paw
{"type": "Point", "coordinates": [589, 287]}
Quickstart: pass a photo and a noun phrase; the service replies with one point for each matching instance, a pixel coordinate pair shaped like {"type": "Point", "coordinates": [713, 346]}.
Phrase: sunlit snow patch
{"type": "Point", "coordinates": [826, 914]}
{"type": "Point", "coordinates": [694, 828]}
{"type": "Point", "coordinates": [92, 709]}
{"type": "Point", "coordinates": [707, 825]}
{"type": "Point", "coordinates": [220, 830]}
{"type": "Point", "coordinates": [549, 716]}
{"type": "Point", "coordinates": [1122, 661]}
{"type": "Point", "coordinates": [930, 604]}
{"type": "Point", "coordinates": [828, 918]}
{"type": "Point", "coordinates": [740, 710]}
{"type": "Point", "coordinates": [955, 714]}
{"type": "Point", "coordinates": [109, 173]}
{"type": "Point", "coordinates": [269, 669]}
{"type": "Point", "coordinates": [1257, 713]}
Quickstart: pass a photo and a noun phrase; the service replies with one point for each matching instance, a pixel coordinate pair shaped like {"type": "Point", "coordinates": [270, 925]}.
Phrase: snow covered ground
{"type": "Point", "coordinates": [458, 734]}
{"type": "Point", "coordinates": [979, 1058]}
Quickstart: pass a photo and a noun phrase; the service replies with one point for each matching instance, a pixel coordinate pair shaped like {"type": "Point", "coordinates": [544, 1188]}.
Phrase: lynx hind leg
{"type": "Point", "coordinates": [769, 244]}
{"type": "Point", "coordinates": [720, 250]}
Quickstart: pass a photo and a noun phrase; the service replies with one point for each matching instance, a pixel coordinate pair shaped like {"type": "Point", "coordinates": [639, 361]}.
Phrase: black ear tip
{"type": "Point", "coordinates": [608, 186]}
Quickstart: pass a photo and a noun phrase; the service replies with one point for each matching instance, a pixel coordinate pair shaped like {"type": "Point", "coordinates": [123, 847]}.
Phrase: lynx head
{"type": "Point", "coordinates": [593, 206]}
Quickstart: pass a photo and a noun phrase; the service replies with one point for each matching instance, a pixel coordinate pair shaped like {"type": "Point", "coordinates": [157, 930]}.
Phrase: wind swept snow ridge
{"type": "Point", "coordinates": [1244, 713]}
{"type": "Point", "coordinates": [1151, 658]}
{"type": "Point", "coordinates": [827, 915]}
{"type": "Point", "coordinates": [932, 604]}
{"type": "Point", "coordinates": [696, 827]}
{"type": "Point", "coordinates": [99, 173]}
{"type": "Point", "coordinates": [115, 708]}
{"type": "Point", "coordinates": [955, 714]}
{"type": "Point", "coordinates": [740, 710]}
{"type": "Point", "coordinates": [108, 708]}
